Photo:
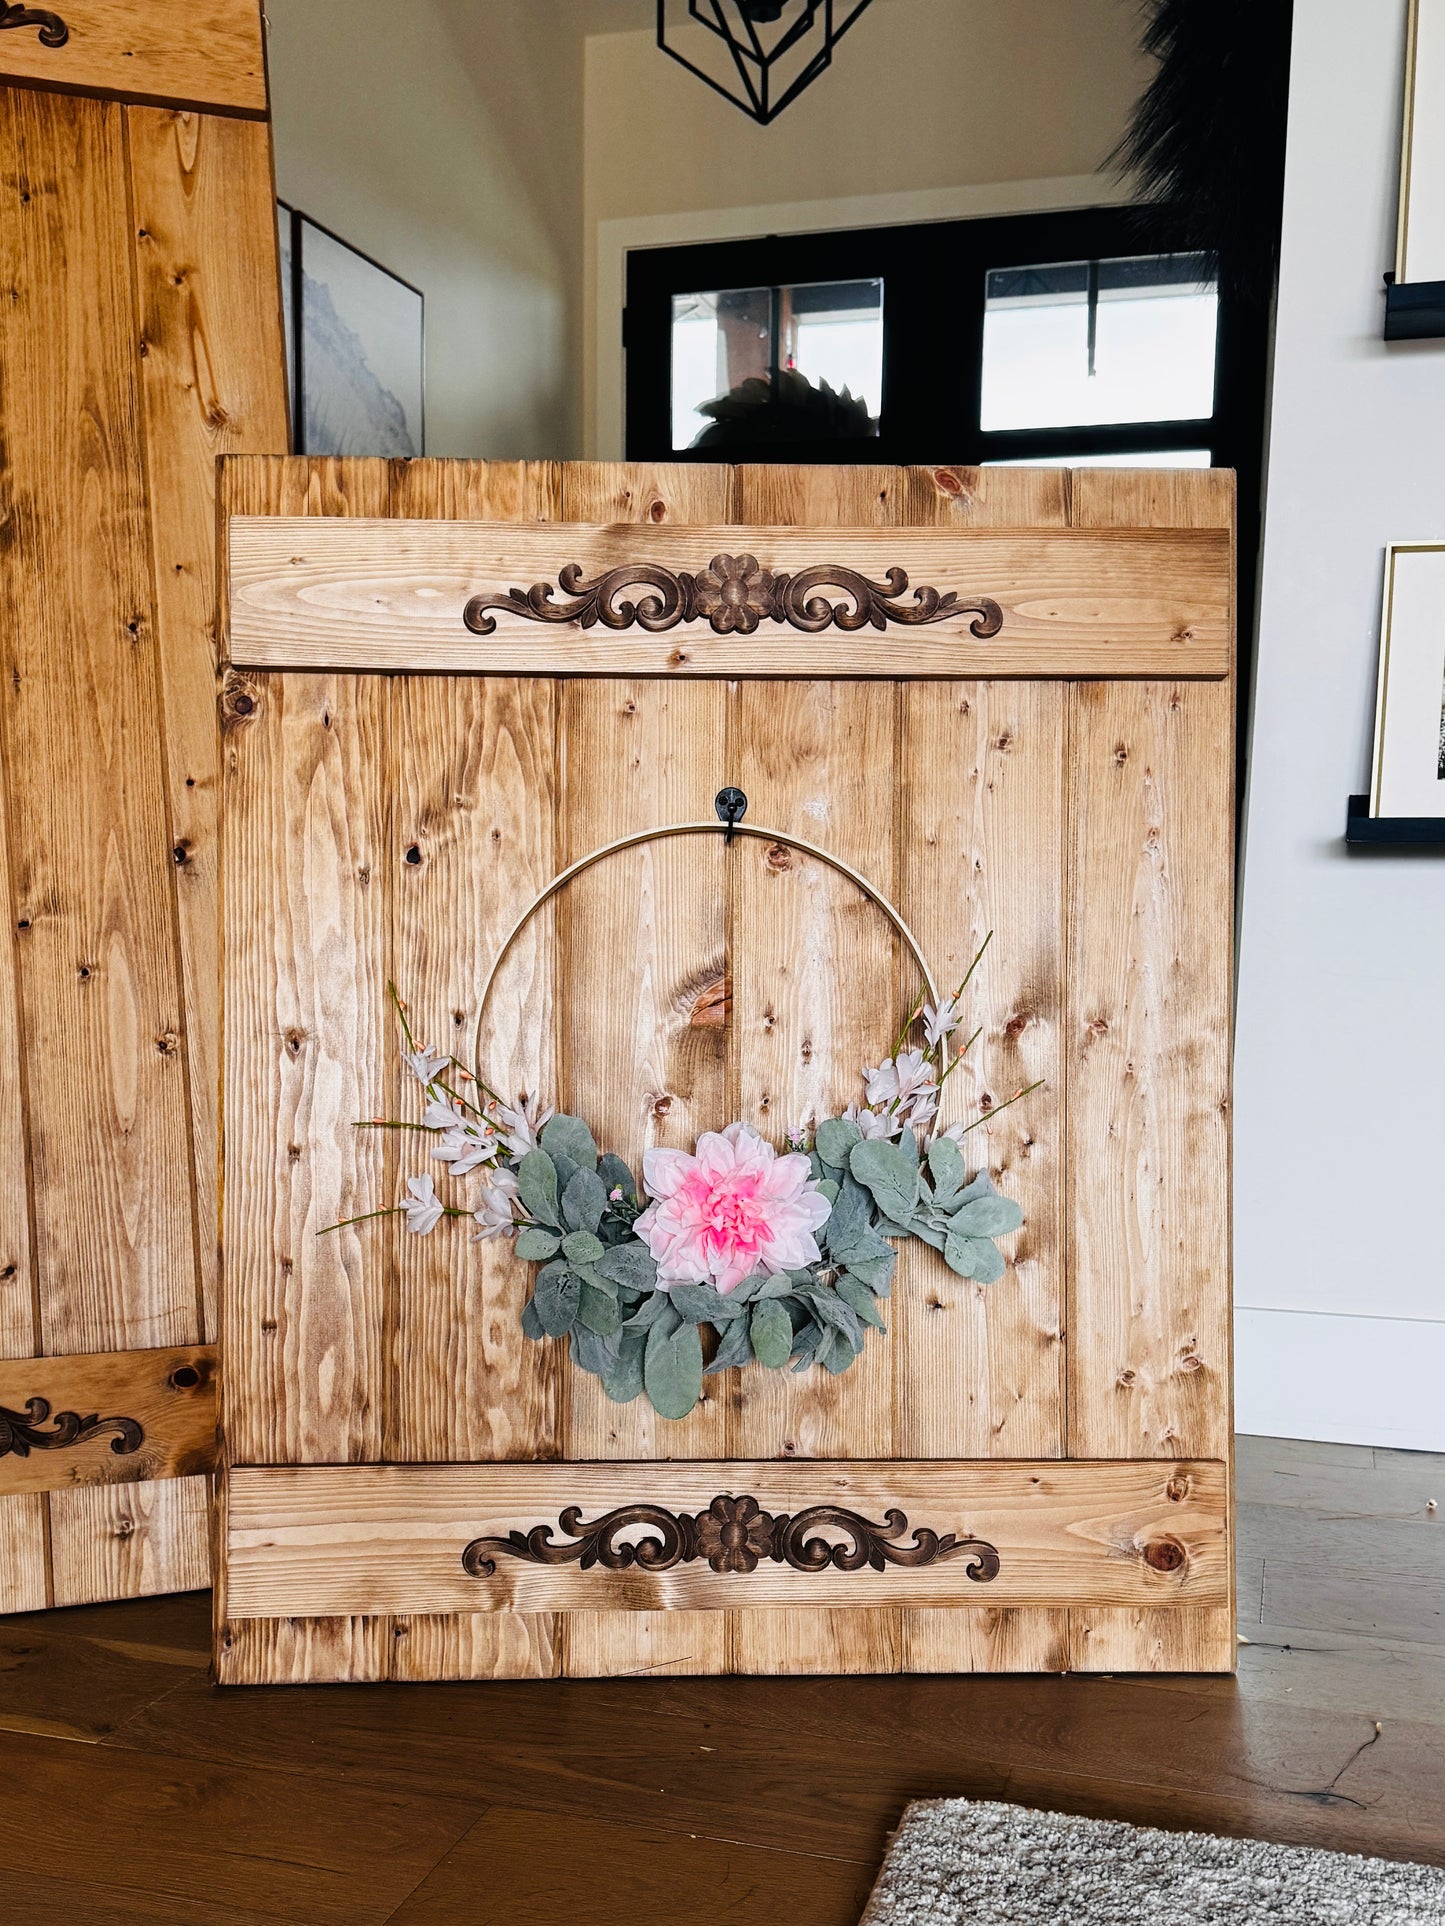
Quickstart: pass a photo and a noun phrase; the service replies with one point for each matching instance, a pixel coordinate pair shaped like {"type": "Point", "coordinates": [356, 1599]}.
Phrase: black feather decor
{"type": "Point", "coordinates": [1205, 148]}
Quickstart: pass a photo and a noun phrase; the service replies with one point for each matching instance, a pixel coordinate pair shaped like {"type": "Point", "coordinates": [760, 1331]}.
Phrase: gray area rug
{"type": "Point", "coordinates": [961, 1860]}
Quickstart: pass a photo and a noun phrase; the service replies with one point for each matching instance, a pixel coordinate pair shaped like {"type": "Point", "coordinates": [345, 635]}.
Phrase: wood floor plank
{"type": "Point", "coordinates": [555, 1871]}
{"type": "Point", "coordinates": [309, 1849]}
{"type": "Point", "coordinates": [77, 1688]}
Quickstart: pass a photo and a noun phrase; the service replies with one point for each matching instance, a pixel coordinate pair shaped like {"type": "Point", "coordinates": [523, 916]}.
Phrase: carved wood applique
{"type": "Point", "coordinates": [733, 594]}
{"type": "Point", "coordinates": [733, 1535]}
{"type": "Point", "coordinates": [21, 1431]}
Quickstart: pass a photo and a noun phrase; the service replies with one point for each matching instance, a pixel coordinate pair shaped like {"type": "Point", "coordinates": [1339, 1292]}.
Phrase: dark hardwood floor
{"type": "Point", "coordinates": [133, 1791]}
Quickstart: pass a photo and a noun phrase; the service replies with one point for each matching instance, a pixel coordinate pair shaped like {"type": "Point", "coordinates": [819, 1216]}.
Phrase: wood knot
{"type": "Point", "coordinates": [1165, 1555]}
{"type": "Point", "coordinates": [1097, 1027]}
{"type": "Point", "coordinates": [293, 1041]}
{"type": "Point", "coordinates": [711, 1002]}
{"type": "Point", "coordinates": [185, 1377]}
{"type": "Point", "coordinates": [1125, 1378]}
{"type": "Point", "coordinates": [778, 857]}
{"type": "Point", "coordinates": [1178, 1487]}
{"type": "Point", "coordinates": [1121, 753]}
{"type": "Point", "coordinates": [1017, 1024]}
{"type": "Point", "coordinates": [125, 1527]}
{"type": "Point", "coordinates": [946, 482]}
{"type": "Point", "coordinates": [657, 509]}
{"type": "Point", "coordinates": [1190, 1361]}
{"type": "Point", "coordinates": [678, 658]}
{"type": "Point", "coordinates": [168, 1043]}
{"type": "Point", "coordinates": [661, 1104]}
{"type": "Point", "coordinates": [238, 702]}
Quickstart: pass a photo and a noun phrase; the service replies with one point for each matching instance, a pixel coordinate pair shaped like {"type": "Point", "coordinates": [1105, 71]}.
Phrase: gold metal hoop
{"type": "Point", "coordinates": [698, 829]}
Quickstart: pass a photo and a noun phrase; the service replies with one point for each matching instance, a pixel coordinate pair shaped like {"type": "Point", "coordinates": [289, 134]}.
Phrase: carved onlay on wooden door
{"type": "Point", "coordinates": [502, 764]}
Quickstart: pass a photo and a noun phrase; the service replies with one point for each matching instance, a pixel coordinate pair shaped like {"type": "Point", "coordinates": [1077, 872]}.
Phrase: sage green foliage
{"type": "Point", "coordinates": [597, 1285]}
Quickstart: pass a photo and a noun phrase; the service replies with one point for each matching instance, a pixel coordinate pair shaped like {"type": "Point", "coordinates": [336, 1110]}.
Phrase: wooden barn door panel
{"type": "Point", "coordinates": [135, 241]}
{"type": "Point", "coordinates": [676, 985]}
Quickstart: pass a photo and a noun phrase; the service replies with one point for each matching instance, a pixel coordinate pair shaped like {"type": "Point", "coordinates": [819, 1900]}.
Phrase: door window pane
{"type": "Point", "coordinates": [1083, 342]}
{"type": "Point", "coordinates": [1136, 458]}
{"type": "Point", "coordinates": [777, 364]}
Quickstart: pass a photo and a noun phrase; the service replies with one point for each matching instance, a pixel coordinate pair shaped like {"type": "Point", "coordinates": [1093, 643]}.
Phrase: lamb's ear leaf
{"type": "Point", "coordinates": [703, 1304]}
{"type": "Point", "coordinates": [945, 1162]}
{"type": "Point", "coordinates": [771, 1287]}
{"type": "Point", "coordinates": [975, 1257]}
{"type": "Point", "coordinates": [836, 1138]}
{"type": "Point", "coordinates": [583, 1201]}
{"type": "Point", "coordinates": [535, 1246]}
{"type": "Point", "coordinates": [908, 1146]}
{"type": "Point", "coordinates": [856, 1293]}
{"type": "Point", "coordinates": [982, 1186]}
{"type": "Point", "coordinates": [616, 1175]}
{"type": "Point", "coordinates": [653, 1307]}
{"type": "Point", "coordinates": [591, 1352]}
{"type": "Point", "coordinates": [557, 1296]}
{"type": "Point", "coordinates": [736, 1348]}
{"type": "Point", "coordinates": [631, 1265]}
{"type": "Point", "coordinates": [598, 1310]}
{"type": "Point", "coordinates": [886, 1171]}
{"type": "Point", "coordinates": [672, 1368]}
{"type": "Point", "coordinates": [582, 1247]}
{"type": "Point", "coordinates": [532, 1324]}
{"type": "Point", "coordinates": [772, 1333]}
{"type": "Point", "coordinates": [624, 1382]}
{"type": "Point", "coordinates": [537, 1188]}
{"type": "Point", "coordinates": [570, 1137]}
{"type": "Point", "coordinates": [566, 1170]}
{"type": "Point", "coordinates": [987, 1217]}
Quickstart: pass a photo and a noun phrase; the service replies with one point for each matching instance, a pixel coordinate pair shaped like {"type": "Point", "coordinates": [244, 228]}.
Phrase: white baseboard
{"type": "Point", "coordinates": [1341, 1379]}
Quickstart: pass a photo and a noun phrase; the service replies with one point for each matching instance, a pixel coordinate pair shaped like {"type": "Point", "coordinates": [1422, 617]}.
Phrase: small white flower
{"type": "Point", "coordinates": [923, 1106]}
{"type": "Point", "coordinates": [940, 1021]}
{"type": "Point", "coordinates": [423, 1209]}
{"type": "Point", "coordinates": [874, 1123]}
{"type": "Point", "coordinates": [466, 1147]}
{"type": "Point", "coordinates": [521, 1124]}
{"type": "Point", "coordinates": [897, 1078]}
{"type": "Point", "coordinates": [440, 1115]}
{"type": "Point", "coordinates": [425, 1065]}
{"type": "Point", "coordinates": [494, 1214]}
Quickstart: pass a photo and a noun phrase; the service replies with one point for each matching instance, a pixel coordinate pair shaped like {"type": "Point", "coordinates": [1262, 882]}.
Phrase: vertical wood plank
{"type": "Point", "coordinates": [819, 989]}
{"type": "Point", "coordinates": [212, 382]}
{"type": "Point", "coordinates": [1147, 1031]}
{"type": "Point", "coordinates": [24, 1516]}
{"type": "Point", "coordinates": [641, 1054]}
{"type": "Point", "coordinates": [475, 797]}
{"type": "Point", "coordinates": [115, 1234]}
{"type": "Point", "coordinates": [307, 880]}
{"type": "Point", "coordinates": [99, 999]}
{"type": "Point", "coordinates": [129, 1541]}
{"type": "Point", "coordinates": [980, 1367]}
{"type": "Point", "coordinates": [23, 1543]}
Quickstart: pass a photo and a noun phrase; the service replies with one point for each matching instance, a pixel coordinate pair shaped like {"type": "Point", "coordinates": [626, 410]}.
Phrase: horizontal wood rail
{"type": "Point", "coordinates": [114, 1417]}
{"type": "Point", "coordinates": [207, 55]}
{"type": "Point", "coordinates": [322, 1540]}
{"type": "Point", "coordinates": [445, 597]}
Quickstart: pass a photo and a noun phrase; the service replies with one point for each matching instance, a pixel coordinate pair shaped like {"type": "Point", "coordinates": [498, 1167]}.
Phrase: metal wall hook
{"type": "Point", "coordinates": [731, 806]}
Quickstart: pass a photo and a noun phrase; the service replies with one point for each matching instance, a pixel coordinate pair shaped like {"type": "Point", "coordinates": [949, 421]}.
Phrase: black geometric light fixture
{"type": "Point", "coordinates": [759, 54]}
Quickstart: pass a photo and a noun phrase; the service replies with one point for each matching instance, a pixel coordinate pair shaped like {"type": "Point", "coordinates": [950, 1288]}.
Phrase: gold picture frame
{"type": "Point", "coordinates": [1407, 774]}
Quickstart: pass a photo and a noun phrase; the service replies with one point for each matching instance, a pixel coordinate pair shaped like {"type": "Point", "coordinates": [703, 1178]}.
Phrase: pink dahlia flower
{"type": "Point", "coordinates": [732, 1209]}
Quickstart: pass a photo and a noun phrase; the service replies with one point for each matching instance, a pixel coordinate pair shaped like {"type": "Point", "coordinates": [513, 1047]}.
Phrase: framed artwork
{"type": "Point", "coordinates": [355, 351]}
{"type": "Point", "coordinates": [1408, 778]}
{"type": "Point", "coordinates": [1420, 245]}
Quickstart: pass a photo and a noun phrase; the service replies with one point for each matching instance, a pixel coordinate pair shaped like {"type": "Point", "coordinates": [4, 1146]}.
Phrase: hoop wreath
{"type": "Point", "coordinates": [783, 1259]}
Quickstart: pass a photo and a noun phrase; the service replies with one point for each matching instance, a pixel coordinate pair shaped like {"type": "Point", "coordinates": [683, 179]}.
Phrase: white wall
{"type": "Point", "coordinates": [1340, 1061]}
{"type": "Point", "coordinates": [443, 137]}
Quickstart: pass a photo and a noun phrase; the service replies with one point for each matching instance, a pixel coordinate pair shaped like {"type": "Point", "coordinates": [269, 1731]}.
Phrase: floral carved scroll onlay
{"type": "Point", "coordinates": [53, 30]}
{"type": "Point", "coordinates": [733, 594]}
{"type": "Point", "coordinates": [22, 1432]}
{"type": "Point", "coordinates": [733, 1535]}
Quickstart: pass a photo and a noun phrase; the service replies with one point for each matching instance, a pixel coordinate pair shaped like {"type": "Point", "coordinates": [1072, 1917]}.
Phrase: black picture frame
{"type": "Point", "coordinates": [294, 227]}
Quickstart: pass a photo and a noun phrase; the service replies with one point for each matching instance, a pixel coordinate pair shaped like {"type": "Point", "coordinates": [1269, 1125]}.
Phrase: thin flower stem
{"type": "Point", "coordinates": [480, 1082]}
{"type": "Point", "coordinates": [998, 1108]}
{"type": "Point", "coordinates": [389, 1123]}
{"type": "Point", "coordinates": [913, 1016]}
{"type": "Point", "coordinates": [960, 1057]}
{"type": "Point", "coordinates": [395, 1210]}
{"type": "Point", "coordinates": [973, 966]}
{"type": "Point", "coordinates": [456, 1097]}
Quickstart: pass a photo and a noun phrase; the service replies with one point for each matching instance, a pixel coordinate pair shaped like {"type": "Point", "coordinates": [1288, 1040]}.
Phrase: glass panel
{"type": "Point", "coordinates": [777, 364]}
{"type": "Point", "coordinates": [1136, 458]}
{"type": "Point", "coordinates": [1084, 342]}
